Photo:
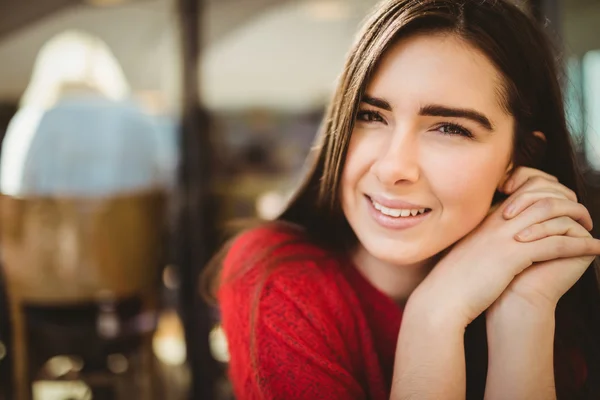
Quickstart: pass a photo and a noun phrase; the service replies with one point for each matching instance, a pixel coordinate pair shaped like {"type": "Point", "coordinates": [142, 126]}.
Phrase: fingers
{"type": "Point", "coordinates": [522, 200]}
{"type": "Point", "coordinates": [523, 174]}
{"type": "Point", "coordinates": [543, 183]}
{"type": "Point", "coordinates": [549, 208]}
{"type": "Point", "coordinates": [554, 247]}
{"type": "Point", "coordinates": [529, 186]}
{"type": "Point", "coordinates": [562, 226]}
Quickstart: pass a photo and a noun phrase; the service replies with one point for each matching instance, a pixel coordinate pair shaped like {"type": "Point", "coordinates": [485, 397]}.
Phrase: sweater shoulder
{"type": "Point", "coordinates": [276, 248]}
{"type": "Point", "coordinates": [276, 264]}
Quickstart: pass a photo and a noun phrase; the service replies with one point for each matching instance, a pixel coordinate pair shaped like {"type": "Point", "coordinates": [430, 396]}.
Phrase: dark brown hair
{"type": "Point", "coordinates": [531, 93]}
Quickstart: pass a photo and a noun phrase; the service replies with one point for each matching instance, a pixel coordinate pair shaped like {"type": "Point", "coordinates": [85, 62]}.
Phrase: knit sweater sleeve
{"type": "Point", "coordinates": [289, 332]}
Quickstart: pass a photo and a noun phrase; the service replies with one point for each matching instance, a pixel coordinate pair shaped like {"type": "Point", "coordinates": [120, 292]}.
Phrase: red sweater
{"type": "Point", "coordinates": [322, 331]}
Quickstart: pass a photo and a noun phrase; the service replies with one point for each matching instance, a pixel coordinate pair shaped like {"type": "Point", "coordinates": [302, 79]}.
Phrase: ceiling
{"type": "Point", "coordinates": [15, 14]}
{"type": "Point", "coordinates": [141, 33]}
{"type": "Point", "coordinates": [270, 53]}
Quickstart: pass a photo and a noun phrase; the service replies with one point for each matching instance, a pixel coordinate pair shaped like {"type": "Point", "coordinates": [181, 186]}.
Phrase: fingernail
{"type": "Point", "coordinates": [524, 234]}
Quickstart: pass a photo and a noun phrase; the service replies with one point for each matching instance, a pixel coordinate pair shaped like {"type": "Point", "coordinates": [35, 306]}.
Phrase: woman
{"type": "Point", "coordinates": [76, 129]}
{"type": "Point", "coordinates": [83, 176]}
{"type": "Point", "coordinates": [442, 194]}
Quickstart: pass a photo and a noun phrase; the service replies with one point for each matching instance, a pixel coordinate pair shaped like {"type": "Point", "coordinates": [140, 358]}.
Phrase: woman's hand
{"type": "Point", "coordinates": [481, 266]}
{"type": "Point", "coordinates": [544, 283]}
{"type": "Point", "coordinates": [520, 323]}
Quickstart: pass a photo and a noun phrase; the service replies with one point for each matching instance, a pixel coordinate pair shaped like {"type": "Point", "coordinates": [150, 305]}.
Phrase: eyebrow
{"type": "Point", "coordinates": [436, 110]}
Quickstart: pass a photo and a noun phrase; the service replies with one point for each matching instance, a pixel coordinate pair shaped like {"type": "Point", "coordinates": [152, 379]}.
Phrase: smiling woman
{"type": "Point", "coordinates": [437, 247]}
{"type": "Point", "coordinates": [424, 140]}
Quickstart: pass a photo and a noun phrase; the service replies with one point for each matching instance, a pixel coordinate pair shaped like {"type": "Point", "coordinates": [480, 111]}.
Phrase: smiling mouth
{"type": "Point", "coordinates": [398, 212]}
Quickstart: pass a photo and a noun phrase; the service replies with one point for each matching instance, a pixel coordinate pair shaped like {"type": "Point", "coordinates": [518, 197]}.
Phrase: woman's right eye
{"type": "Point", "coordinates": [369, 116]}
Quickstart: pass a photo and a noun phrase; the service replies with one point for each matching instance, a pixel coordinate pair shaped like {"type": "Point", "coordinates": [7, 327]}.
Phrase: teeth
{"type": "Point", "coordinates": [389, 211]}
{"type": "Point", "coordinates": [397, 212]}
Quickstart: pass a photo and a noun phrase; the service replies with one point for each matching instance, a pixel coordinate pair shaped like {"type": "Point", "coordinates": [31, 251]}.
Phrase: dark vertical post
{"type": "Point", "coordinates": [7, 111]}
{"type": "Point", "coordinates": [196, 228]}
{"type": "Point", "coordinates": [6, 372]}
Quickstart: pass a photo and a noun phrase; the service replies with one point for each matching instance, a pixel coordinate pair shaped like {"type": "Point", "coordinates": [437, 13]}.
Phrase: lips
{"type": "Point", "coordinates": [401, 215]}
{"type": "Point", "coordinates": [398, 213]}
{"type": "Point", "coordinates": [396, 204]}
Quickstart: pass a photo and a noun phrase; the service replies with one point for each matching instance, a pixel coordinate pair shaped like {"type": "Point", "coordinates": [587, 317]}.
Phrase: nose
{"type": "Point", "coordinates": [398, 162]}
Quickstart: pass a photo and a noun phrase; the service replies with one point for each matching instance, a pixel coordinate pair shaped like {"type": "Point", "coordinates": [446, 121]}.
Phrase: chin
{"type": "Point", "coordinates": [397, 255]}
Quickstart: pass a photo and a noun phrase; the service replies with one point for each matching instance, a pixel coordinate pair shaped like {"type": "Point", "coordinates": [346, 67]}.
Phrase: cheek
{"type": "Point", "coordinates": [466, 188]}
{"type": "Point", "coordinates": [356, 165]}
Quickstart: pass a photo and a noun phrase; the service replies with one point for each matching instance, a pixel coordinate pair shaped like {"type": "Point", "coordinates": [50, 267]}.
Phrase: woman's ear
{"type": "Point", "coordinates": [539, 135]}
{"type": "Point", "coordinates": [536, 149]}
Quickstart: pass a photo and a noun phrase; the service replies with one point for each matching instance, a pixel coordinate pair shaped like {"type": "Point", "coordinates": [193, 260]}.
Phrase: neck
{"type": "Point", "coordinates": [396, 281]}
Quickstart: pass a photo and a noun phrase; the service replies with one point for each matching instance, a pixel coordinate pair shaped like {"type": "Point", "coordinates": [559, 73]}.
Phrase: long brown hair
{"type": "Point", "coordinates": [531, 93]}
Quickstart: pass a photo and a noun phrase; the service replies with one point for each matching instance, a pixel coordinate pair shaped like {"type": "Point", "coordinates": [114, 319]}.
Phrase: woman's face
{"type": "Point", "coordinates": [431, 135]}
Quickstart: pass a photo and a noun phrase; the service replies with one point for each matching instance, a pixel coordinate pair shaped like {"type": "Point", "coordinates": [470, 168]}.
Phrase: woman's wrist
{"type": "Point", "coordinates": [514, 309]}
{"type": "Point", "coordinates": [520, 325]}
{"type": "Point", "coordinates": [435, 311]}
{"type": "Point", "coordinates": [430, 357]}
{"type": "Point", "coordinates": [521, 350]}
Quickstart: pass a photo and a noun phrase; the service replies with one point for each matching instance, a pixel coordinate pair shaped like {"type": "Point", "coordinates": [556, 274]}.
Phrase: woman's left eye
{"type": "Point", "coordinates": [455, 130]}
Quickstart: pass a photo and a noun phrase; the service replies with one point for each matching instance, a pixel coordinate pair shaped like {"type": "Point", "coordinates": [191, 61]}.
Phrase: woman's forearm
{"type": "Point", "coordinates": [430, 356]}
{"type": "Point", "coordinates": [521, 353]}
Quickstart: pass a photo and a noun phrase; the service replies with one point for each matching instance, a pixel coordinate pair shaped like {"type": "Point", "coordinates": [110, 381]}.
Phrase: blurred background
{"type": "Point", "coordinates": [132, 130]}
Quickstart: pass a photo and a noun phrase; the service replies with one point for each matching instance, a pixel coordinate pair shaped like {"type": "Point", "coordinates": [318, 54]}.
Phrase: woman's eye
{"type": "Point", "coordinates": [455, 130]}
{"type": "Point", "coordinates": [369, 116]}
